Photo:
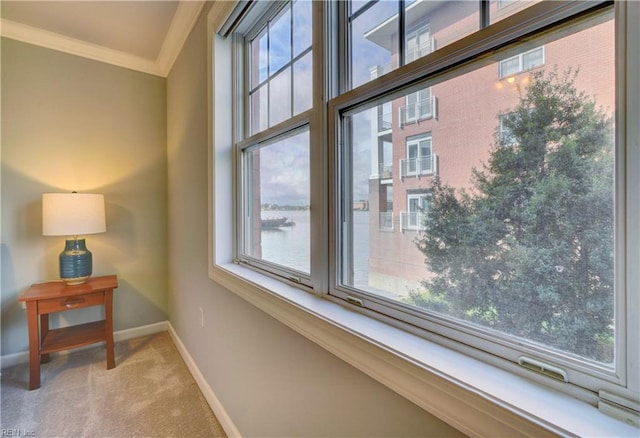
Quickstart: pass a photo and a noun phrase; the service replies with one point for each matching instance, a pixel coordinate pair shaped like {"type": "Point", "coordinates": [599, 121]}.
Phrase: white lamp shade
{"type": "Point", "coordinates": [72, 214]}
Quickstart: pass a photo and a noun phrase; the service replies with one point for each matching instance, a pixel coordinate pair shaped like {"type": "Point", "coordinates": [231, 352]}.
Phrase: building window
{"type": "Point", "coordinates": [420, 105]}
{"type": "Point", "coordinates": [522, 62]}
{"type": "Point", "coordinates": [420, 160]}
{"type": "Point", "coordinates": [419, 43]}
{"type": "Point", "coordinates": [415, 218]}
{"type": "Point", "coordinates": [505, 134]}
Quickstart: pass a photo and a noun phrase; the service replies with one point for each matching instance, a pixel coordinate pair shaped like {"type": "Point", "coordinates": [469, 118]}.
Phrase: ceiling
{"type": "Point", "coordinates": [142, 35]}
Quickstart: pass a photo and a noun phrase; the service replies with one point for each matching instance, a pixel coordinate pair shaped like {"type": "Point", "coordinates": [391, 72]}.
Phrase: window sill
{"type": "Point", "coordinates": [441, 381]}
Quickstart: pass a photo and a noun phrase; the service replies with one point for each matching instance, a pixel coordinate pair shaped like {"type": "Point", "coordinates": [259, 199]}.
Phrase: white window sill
{"type": "Point", "coordinates": [474, 397]}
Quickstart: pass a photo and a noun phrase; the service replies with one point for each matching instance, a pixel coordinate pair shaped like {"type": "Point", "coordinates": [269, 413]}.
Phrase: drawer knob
{"type": "Point", "coordinates": [72, 302]}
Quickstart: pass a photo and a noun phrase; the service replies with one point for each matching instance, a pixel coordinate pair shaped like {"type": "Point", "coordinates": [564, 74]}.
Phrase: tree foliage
{"type": "Point", "coordinates": [528, 248]}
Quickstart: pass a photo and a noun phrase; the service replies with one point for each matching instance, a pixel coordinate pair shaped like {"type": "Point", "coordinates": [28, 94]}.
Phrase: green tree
{"type": "Point", "coordinates": [528, 249]}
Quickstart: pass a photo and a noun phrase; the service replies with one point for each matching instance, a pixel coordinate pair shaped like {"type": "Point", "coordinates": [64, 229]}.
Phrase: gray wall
{"type": "Point", "coordinates": [69, 123]}
{"type": "Point", "coordinates": [272, 381]}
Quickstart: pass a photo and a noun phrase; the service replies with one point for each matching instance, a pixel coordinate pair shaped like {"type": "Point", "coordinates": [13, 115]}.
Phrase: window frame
{"type": "Point", "coordinates": [418, 362]}
{"type": "Point", "coordinates": [418, 35]}
{"type": "Point", "coordinates": [245, 139]}
{"type": "Point", "coordinates": [409, 78]}
{"type": "Point", "coordinates": [520, 58]}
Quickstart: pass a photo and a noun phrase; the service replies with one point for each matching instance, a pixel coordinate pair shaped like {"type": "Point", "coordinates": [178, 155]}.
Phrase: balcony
{"type": "Point", "coordinates": [422, 166]}
{"type": "Point", "coordinates": [385, 170]}
{"type": "Point", "coordinates": [386, 221]}
{"type": "Point", "coordinates": [425, 109]}
{"type": "Point", "coordinates": [378, 70]}
{"type": "Point", "coordinates": [384, 122]}
{"type": "Point", "coordinates": [420, 50]}
{"type": "Point", "coordinates": [412, 221]}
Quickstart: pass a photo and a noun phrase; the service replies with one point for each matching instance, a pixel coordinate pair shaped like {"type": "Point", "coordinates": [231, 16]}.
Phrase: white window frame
{"type": "Point", "coordinates": [437, 374]}
{"type": "Point", "coordinates": [419, 36]}
{"type": "Point", "coordinates": [520, 58]}
{"type": "Point", "coordinates": [505, 137]}
{"type": "Point", "coordinates": [415, 217]}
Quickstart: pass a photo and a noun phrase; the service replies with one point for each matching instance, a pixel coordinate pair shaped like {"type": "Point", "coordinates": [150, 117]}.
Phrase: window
{"type": "Point", "coordinates": [506, 137]}
{"type": "Point", "coordinates": [418, 106]}
{"type": "Point", "coordinates": [419, 44]}
{"type": "Point", "coordinates": [420, 160]}
{"type": "Point", "coordinates": [522, 62]}
{"type": "Point", "coordinates": [418, 208]}
{"type": "Point", "coordinates": [274, 147]}
{"type": "Point", "coordinates": [495, 257]}
{"type": "Point", "coordinates": [517, 256]}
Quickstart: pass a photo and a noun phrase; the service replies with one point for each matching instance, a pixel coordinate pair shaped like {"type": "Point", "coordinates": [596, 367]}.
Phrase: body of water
{"type": "Point", "coordinates": [290, 246]}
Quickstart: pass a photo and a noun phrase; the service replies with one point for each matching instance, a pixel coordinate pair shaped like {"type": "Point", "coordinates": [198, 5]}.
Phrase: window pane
{"type": "Point", "coordinates": [277, 197]}
{"type": "Point", "coordinates": [280, 97]}
{"type": "Point", "coordinates": [259, 113]}
{"type": "Point", "coordinates": [285, 83]}
{"type": "Point", "coordinates": [373, 46]}
{"type": "Point", "coordinates": [280, 41]}
{"type": "Point", "coordinates": [509, 66]}
{"type": "Point", "coordinates": [301, 26]}
{"type": "Point", "coordinates": [302, 84]}
{"type": "Point", "coordinates": [515, 239]}
{"type": "Point", "coordinates": [259, 52]}
{"type": "Point", "coordinates": [532, 59]}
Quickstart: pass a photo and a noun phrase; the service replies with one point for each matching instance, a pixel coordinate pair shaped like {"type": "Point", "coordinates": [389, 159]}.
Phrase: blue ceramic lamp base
{"type": "Point", "coordinates": [76, 263]}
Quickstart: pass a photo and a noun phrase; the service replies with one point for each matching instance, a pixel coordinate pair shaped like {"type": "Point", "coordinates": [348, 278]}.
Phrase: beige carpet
{"type": "Point", "coordinates": [150, 393]}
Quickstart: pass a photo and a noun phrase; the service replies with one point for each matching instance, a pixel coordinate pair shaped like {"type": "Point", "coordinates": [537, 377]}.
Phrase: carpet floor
{"type": "Point", "coordinates": [150, 393]}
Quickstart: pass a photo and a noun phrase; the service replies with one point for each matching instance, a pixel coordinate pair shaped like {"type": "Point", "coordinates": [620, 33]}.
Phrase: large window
{"type": "Point", "coordinates": [515, 245]}
{"type": "Point", "coordinates": [274, 148]}
{"type": "Point", "coordinates": [515, 255]}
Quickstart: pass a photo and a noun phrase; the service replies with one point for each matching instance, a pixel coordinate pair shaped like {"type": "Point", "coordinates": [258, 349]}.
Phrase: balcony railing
{"type": "Point", "coordinates": [421, 50]}
{"type": "Point", "coordinates": [412, 220]}
{"type": "Point", "coordinates": [419, 166]}
{"type": "Point", "coordinates": [379, 70]}
{"type": "Point", "coordinates": [385, 170]}
{"type": "Point", "coordinates": [384, 122]}
{"type": "Point", "coordinates": [386, 221]}
{"type": "Point", "coordinates": [425, 109]}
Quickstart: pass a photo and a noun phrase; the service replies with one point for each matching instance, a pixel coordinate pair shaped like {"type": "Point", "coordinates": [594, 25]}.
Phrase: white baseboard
{"type": "Point", "coordinates": [10, 360]}
{"type": "Point", "coordinates": [136, 332]}
{"type": "Point", "coordinates": [218, 409]}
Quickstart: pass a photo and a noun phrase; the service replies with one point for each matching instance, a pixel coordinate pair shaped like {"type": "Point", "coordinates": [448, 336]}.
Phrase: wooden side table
{"type": "Point", "coordinates": [55, 296]}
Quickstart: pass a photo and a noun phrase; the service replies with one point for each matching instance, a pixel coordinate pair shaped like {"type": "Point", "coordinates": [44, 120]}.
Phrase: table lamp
{"type": "Point", "coordinates": [73, 214]}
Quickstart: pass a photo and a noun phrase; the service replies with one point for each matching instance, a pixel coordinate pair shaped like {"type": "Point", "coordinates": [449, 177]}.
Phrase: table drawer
{"type": "Point", "coordinates": [69, 303]}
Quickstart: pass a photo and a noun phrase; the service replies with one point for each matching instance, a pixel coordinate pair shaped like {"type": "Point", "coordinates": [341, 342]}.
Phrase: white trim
{"type": "Point", "coordinates": [216, 406]}
{"type": "Point", "coordinates": [10, 360]}
{"type": "Point", "coordinates": [185, 17]}
{"type": "Point", "coordinates": [54, 41]}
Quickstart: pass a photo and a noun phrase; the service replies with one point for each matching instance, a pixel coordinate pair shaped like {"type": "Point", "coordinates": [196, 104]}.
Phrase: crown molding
{"type": "Point", "coordinates": [55, 41]}
{"type": "Point", "coordinates": [183, 21]}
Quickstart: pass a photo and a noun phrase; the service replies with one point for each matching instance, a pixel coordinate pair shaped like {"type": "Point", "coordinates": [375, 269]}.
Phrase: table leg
{"type": "Point", "coordinates": [34, 345]}
{"type": "Point", "coordinates": [108, 316]}
{"type": "Point", "coordinates": [44, 331]}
